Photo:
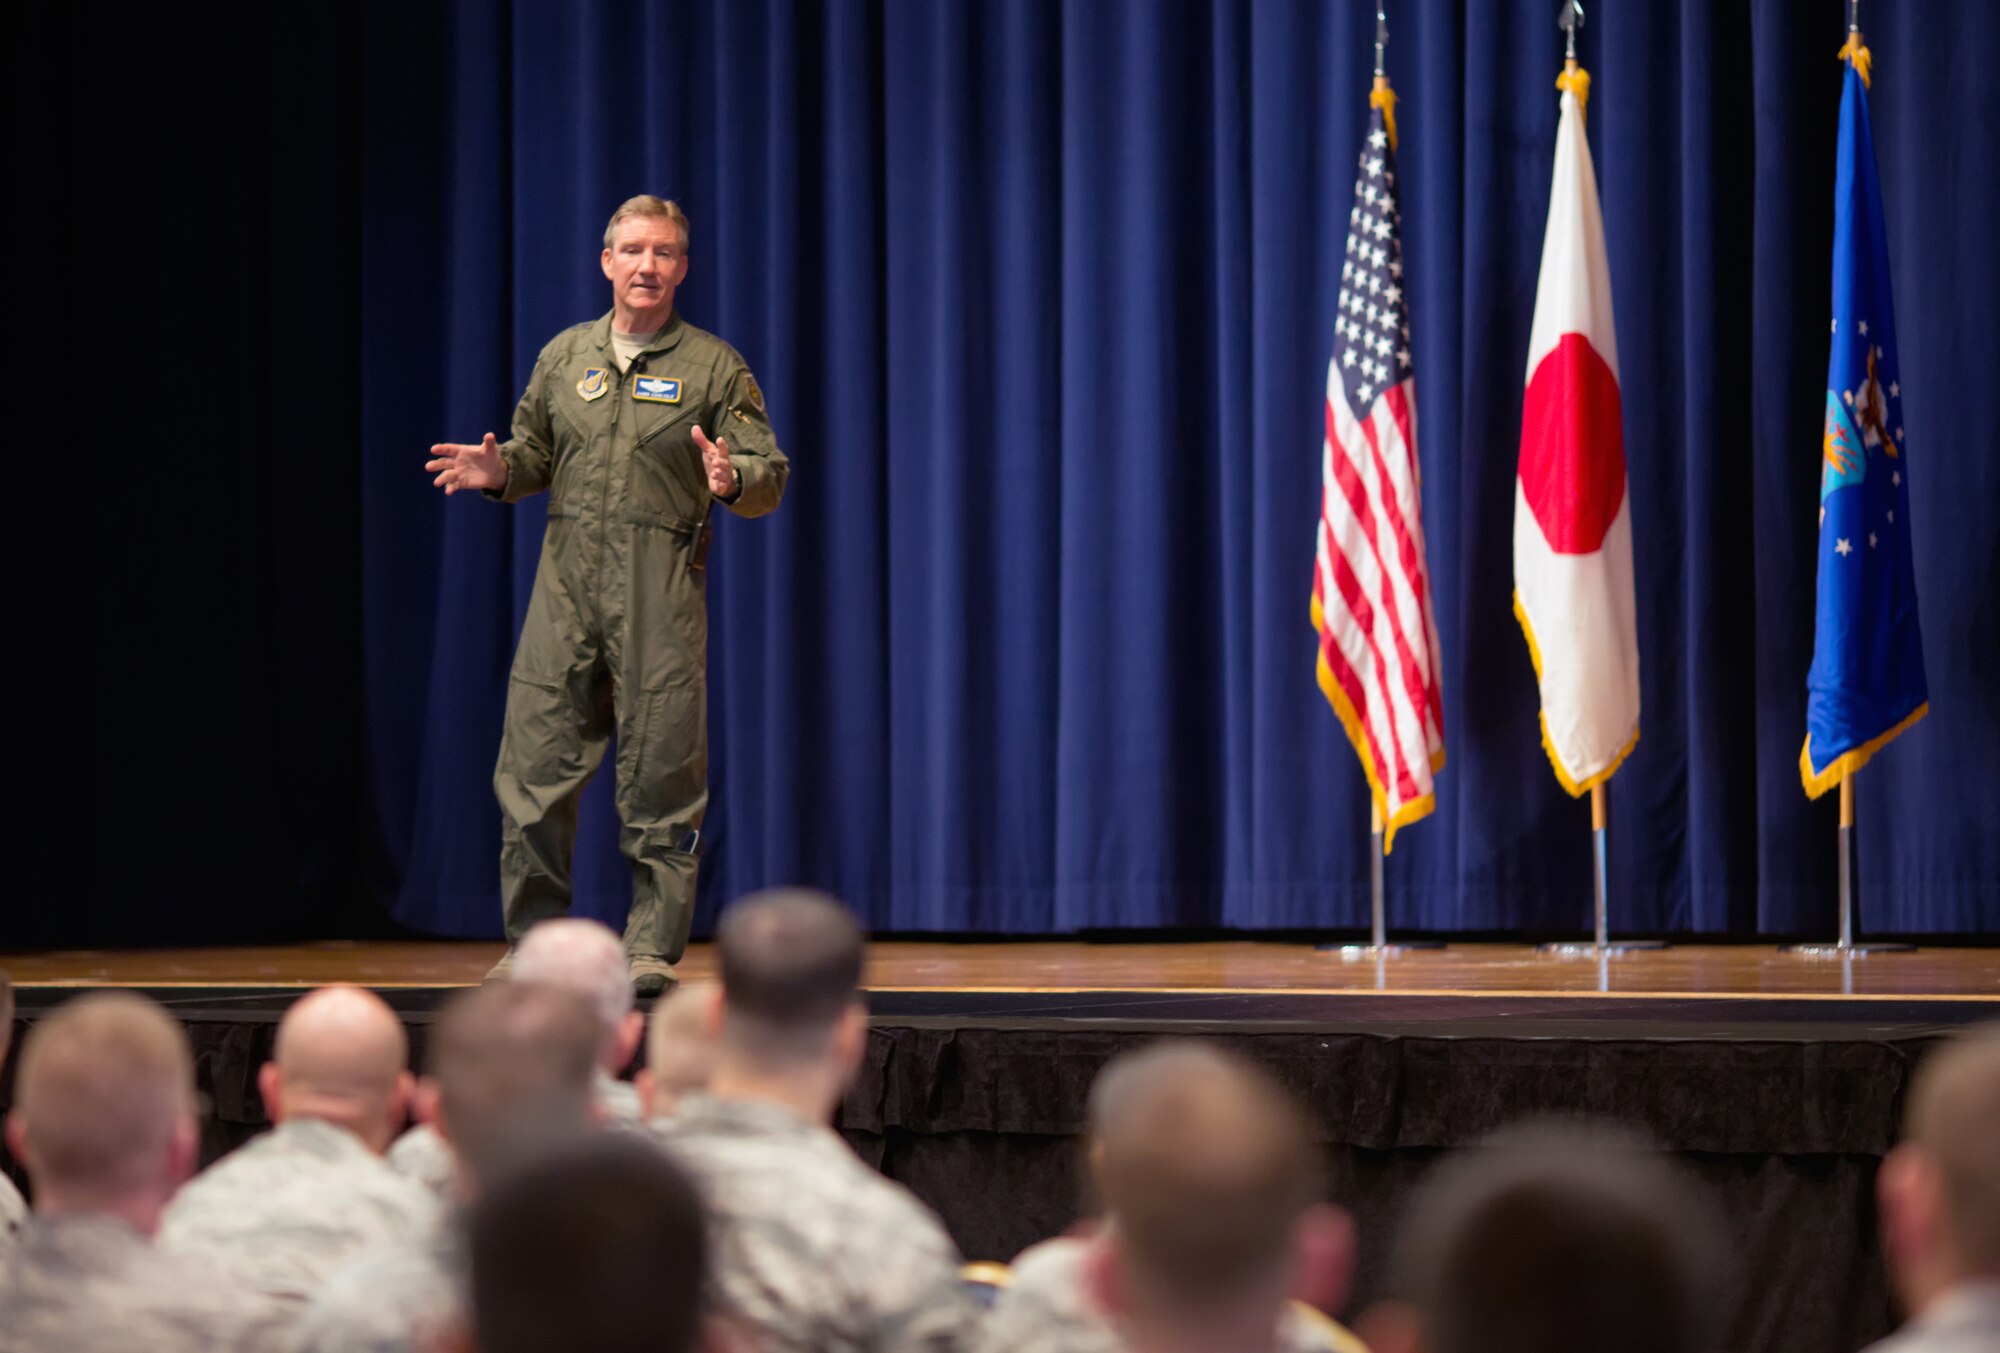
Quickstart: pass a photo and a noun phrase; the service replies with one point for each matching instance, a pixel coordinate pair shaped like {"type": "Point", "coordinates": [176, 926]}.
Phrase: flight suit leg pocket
{"type": "Point", "coordinates": [663, 755]}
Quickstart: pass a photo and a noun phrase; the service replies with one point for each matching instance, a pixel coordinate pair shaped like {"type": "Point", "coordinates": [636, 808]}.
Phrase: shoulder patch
{"type": "Point", "coordinates": [752, 393]}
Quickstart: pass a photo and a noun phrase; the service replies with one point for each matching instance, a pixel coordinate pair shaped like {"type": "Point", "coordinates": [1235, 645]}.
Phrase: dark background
{"type": "Point", "coordinates": [1042, 297]}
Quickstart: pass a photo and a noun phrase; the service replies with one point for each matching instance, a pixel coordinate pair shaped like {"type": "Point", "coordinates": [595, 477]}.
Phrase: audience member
{"type": "Point", "coordinates": [1212, 1186]}
{"type": "Point", "coordinates": [681, 1049]}
{"type": "Point", "coordinates": [1554, 1238]}
{"type": "Point", "coordinates": [597, 1247]}
{"type": "Point", "coordinates": [813, 1250]}
{"type": "Point", "coordinates": [575, 955]}
{"type": "Point", "coordinates": [293, 1206]}
{"type": "Point", "coordinates": [1939, 1193]}
{"type": "Point", "coordinates": [512, 1069]}
{"type": "Point", "coordinates": [104, 1121]}
{"type": "Point", "coordinates": [13, 1207]}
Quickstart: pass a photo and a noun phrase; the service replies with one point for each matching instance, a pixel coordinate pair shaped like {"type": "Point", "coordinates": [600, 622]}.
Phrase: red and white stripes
{"type": "Point", "coordinates": [1371, 599]}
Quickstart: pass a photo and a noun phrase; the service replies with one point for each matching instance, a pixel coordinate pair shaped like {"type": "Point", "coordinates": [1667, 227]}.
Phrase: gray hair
{"type": "Point", "coordinates": [657, 208]}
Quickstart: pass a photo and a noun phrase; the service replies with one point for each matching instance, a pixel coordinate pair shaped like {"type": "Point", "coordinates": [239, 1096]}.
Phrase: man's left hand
{"type": "Point", "coordinates": [722, 478]}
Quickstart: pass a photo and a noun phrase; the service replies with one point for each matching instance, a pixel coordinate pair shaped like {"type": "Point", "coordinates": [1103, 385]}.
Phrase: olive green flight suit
{"type": "Point", "coordinates": [617, 629]}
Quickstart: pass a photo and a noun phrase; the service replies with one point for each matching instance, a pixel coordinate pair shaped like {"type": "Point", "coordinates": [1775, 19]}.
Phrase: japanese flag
{"type": "Point", "coordinates": [1572, 514]}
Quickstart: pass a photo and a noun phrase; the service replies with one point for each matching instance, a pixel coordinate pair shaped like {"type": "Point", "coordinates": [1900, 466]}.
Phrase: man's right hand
{"type": "Point", "coordinates": [468, 467]}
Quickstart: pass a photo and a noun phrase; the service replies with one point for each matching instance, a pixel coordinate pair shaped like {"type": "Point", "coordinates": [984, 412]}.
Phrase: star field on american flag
{"type": "Point", "coordinates": [1372, 328]}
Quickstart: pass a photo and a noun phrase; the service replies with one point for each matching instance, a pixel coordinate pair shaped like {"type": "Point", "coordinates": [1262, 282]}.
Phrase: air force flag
{"type": "Point", "coordinates": [1867, 679]}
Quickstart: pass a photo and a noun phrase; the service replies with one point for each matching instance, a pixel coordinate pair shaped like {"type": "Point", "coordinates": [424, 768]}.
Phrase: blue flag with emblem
{"type": "Point", "coordinates": [1867, 679]}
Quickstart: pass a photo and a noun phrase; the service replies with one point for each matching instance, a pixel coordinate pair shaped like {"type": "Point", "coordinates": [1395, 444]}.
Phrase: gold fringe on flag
{"type": "Point", "coordinates": [1384, 98]}
{"type": "Point", "coordinates": [1576, 80]}
{"type": "Point", "coordinates": [1854, 52]}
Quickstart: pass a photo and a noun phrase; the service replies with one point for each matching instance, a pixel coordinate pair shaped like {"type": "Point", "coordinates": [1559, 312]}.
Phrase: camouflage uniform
{"type": "Point", "coordinates": [407, 1297]}
{"type": "Point", "coordinates": [90, 1283]}
{"type": "Point", "coordinates": [813, 1250]}
{"type": "Point", "coordinates": [13, 1216]}
{"type": "Point", "coordinates": [288, 1209]}
{"type": "Point", "coordinates": [421, 1155]}
{"type": "Point", "coordinates": [1046, 1308]}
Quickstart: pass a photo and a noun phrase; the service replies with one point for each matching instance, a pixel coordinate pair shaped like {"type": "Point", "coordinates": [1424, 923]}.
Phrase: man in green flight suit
{"type": "Point", "coordinates": [612, 425]}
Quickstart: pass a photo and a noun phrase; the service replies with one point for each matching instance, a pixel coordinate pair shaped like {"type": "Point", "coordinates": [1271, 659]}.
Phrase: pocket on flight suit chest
{"type": "Point", "coordinates": [666, 465]}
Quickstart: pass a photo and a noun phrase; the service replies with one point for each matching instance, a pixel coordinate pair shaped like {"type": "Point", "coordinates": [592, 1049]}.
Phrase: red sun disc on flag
{"type": "Point", "coordinates": [1572, 447]}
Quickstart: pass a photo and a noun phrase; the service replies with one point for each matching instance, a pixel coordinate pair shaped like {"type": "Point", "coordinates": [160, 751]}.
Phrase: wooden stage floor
{"type": "Point", "coordinates": [1730, 972]}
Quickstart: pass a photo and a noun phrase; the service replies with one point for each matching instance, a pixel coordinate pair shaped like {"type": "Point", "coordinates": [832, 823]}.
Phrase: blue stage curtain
{"type": "Point", "coordinates": [1042, 296]}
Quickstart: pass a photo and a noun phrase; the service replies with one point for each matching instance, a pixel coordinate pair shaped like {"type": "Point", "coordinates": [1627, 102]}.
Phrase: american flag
{"type": "Point", "coordinates": [1371, 601]}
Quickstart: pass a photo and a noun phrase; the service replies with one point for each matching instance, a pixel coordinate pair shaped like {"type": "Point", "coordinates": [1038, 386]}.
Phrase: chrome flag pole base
{"type": "Point", "coordinates": [1611, 947]}
{"type": "Point", "coordinates": [1840, 951]}
{"type": "Point", "coordinates": [1359, 953]}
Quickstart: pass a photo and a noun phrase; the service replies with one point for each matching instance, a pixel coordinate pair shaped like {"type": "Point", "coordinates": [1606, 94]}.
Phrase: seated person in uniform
{"type": "Point", "coordinates": [582, 957]}
{"type": "Point", "coordinates": [1214, 1220]}
{"type": "Point", "coordinates": [289, 1208]}
{"type": "Point", "coordinates": [1939, 1193]}
{"type": "Point", "coordinates": [104, 1120]}
{"type": "Point", "coordinates": [513, 1065]}
{"type": "Point", "coordinates": [680, 1049]}
{"type": "Point", "coordinates": [598, 1246]}
{"type": "Point", "coordinates": [1554, 1238]}
{"type": "Point", "coordinates": [813, 1250]}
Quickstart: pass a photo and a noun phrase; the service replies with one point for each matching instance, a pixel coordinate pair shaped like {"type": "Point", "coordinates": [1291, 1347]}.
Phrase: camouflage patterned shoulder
{"type": "Point", "coordinates": [91, 1284]}
{"type": "Point", "coordinates": [422, 1156]}
{"type": "Point", "coordinates": [400, 1298]}
{"type": "Point", "coordinates": [1045, 1308]}
{"type": "Point", "coordinates": [13, 1214]}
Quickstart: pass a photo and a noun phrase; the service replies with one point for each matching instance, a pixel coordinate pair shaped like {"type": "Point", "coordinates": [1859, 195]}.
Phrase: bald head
{"type": "Point", "coordinates": [681, 1048]}
{"type": "Point", "coordinates": [512, 1060]}
{"type": "Point", "coordinates": [1206, 1166]}
{"type": "Point", "coordinates": [104, 1105]}
{"type": "Point", "coordinates": [584, 958]}
{"type": "Point", "coordinates": [341, 1056]}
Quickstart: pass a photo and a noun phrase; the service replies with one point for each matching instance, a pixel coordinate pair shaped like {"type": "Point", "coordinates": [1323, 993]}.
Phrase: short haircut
{"type": "Point", "coordinates": [680, 1050]}
{"type": "Point", "coordinates": [599, 1246]}
{"type": "Point", "coordinates": [1953, 1117]}
{"type": "Point", "coordinates": [1206, 1165]}
{"type": "Point", "coordinates": [104, 1082]}
{"type": "Point", "coordinates": [582, 956]}
{"type": "Point", "coordinates": [513, 1059]}
{"type": "Point", "coordinates": [646, 204]}
{"type": "Point", "coordinates": [1559, 1237]}
{"type": "Point", "coordinates": [791, 960]}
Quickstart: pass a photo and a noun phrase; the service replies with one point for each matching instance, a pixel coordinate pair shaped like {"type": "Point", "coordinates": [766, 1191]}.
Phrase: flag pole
{"type": "Point", "coordinates": [1845, 947]}
{"type": "Point", "coordinates": [1600, 885]}
{"type": "Point", "coordinates": [1601, 945]}
{"type": "Point", "coordinates": [1379, 930]}
{"type": "Point", "coordinates": [1378, 945]}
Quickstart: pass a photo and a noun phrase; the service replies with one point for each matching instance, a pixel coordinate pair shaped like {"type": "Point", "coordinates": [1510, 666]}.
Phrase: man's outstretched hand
{"type": "Point", "coordinates": [722, 480]}
{"type": "Point", "coordinates": [467, 467]}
